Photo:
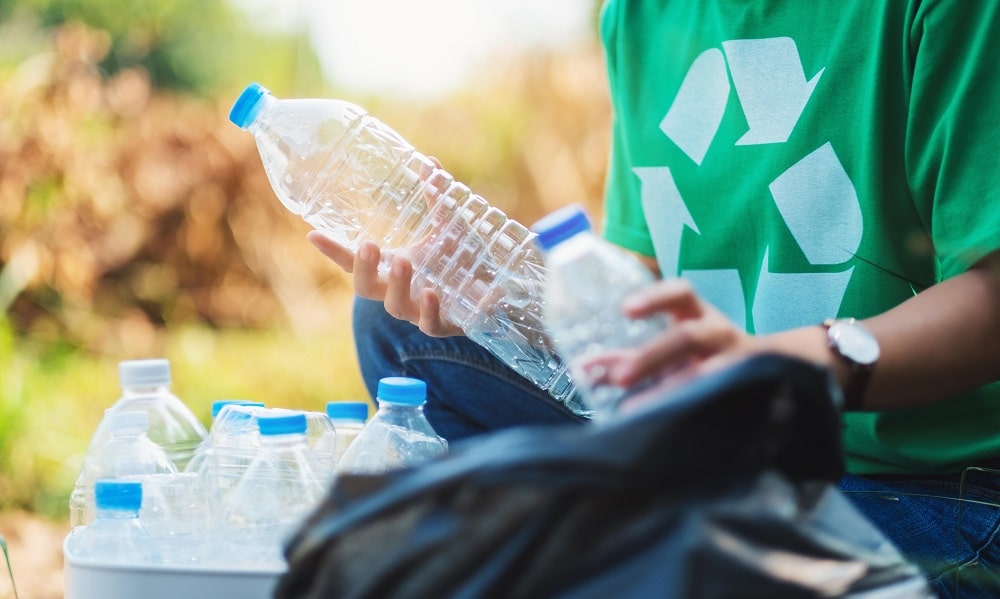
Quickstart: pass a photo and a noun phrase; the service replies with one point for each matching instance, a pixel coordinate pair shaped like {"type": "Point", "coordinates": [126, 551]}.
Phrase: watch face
{"type": "Point", "coordinates": [855, 342]}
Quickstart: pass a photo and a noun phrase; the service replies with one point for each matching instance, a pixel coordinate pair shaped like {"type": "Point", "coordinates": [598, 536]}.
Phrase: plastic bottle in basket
{"type": "Point", "coordinates": [128, 452]}
{"type": "Point", "coordinates": [282, 485]}
{"type": "Point", "coordinates": [204, 451]}
{"type": "Point", "coordinates": [146, 388]}
{"type": "Point", "coordinates": [398, 435]}
{"type": "Point", "coordinates": [322, 438]}
{"type": "Point", "coordinates": [116, 536]}
{"type": "Point", "coordinates": [350, 176]}
{"type": "Point", "coordinates": [588, 280]}
{"type": "Point", "coordinates": [232, 444]}
{"type": "Point", "coordinates": [175, 513]}
{"type": "Point", "coordinates": [348, 418]}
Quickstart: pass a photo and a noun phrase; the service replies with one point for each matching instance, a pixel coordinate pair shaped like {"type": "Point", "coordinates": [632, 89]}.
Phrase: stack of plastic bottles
{"type": "Point", "coordinates": [244, 486]}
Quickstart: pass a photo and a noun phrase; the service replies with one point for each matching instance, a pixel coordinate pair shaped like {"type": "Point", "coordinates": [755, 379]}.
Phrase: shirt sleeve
{"type": "Point", "coordinates": [624, 220]}
{"type": "Point", "coordinates": [953, 128]}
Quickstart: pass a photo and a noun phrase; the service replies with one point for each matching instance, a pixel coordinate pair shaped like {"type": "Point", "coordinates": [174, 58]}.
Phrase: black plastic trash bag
{"type": "Point", "coordinates": [726, 489]}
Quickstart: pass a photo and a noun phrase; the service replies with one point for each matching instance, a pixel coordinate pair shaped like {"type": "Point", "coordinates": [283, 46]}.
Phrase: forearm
{"type": "Point", "coordinates": [941, 342]}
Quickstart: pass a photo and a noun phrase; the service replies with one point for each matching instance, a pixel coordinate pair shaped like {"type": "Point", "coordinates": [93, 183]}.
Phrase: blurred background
{"type": "Point", "coordinates": [136, 221]}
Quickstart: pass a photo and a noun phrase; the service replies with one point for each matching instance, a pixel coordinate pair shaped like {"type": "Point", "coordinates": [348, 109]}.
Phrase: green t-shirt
{"type": "Point", "coordinates": [797, 160]}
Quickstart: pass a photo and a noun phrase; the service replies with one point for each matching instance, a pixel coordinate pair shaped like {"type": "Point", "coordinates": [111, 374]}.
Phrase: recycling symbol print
{"type": "Point", "coordinates": [772, 90]}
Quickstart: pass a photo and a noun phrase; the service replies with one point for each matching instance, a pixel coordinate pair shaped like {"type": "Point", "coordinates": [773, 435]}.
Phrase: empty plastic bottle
{"type": "Point", "coordinates": [197, 463]}
{"type": "Point", "coordinates": [588, 279]}
{"type": "Point", "coordinates": [146, 388]}
{"type": "Point", "coordinates": [350, 176]}
{"type": "Point", "coordinates": [348, 418]}
{"type": "Point", "coordinates": [231, 446]}
{"type": "Point", "coordinates": [398, 435]}
{"type": "Point", "coordinates": [282, 485]}
{"type": "Point", "coordinates": [218, 404]}
{"type": "Point", "coordinates": [322, 438]}
{"type": "Point", "coordinates": [116, 536]}
{"type": "Point", "coordinates": [128, 452]}
{"type": "Point", "coordinates": [176, 515]}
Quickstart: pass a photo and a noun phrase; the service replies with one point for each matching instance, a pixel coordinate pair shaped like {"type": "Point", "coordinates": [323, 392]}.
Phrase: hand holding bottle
{"type": "Point", "coordinates": [420, 307]}
{"type": "Point", "coordinates": [702, 339]}
{"type": "Point", "coordinates": [394, 289]}
{"type": "Point", "coordinates": [357, 181]}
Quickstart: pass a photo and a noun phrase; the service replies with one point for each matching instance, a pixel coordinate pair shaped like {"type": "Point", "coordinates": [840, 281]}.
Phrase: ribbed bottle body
{"type": "Point", "coordinates": [353, 178]}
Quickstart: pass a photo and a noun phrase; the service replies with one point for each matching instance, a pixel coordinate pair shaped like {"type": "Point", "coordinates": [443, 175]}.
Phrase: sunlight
{"type": "Point", "coordinates": [421, 48]}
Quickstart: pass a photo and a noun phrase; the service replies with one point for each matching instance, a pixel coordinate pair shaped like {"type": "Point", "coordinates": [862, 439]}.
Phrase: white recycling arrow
{"type": "Point", "coordinates": [694, 117]}
{"type": "Point", "coordinates": [820, 206]}
{"type": "Point", "coordinates": [721, 287]}
{"type": "Point", "coordinates": [771, 86]}
{"type": "Point", "coordinates": [666, 213]}
{"type": "Point", "coordinates": [789, 300]}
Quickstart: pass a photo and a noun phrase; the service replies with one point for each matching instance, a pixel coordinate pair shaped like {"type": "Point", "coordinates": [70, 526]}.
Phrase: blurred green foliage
{"type": "Point", "coordinates": [136, 221]}
{"type": "Point", "coordinates": [196, 46]}
{"type": "Point", "coordinates": [51, 401]}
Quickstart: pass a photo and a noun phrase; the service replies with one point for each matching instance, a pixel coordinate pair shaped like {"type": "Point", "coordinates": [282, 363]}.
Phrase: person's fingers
{"type": "Point", "coordinates": [431, 321]}
{"type": "Point", "coordinates": [675, 296]}
{"type": "Point", "coordinates": [684, 342]}
{"type": "Point", "coordinates": [398, 301]}
{"type": "Point", "coordinates": [343, 257]}
{"type": "Point", "coordinates": [367, 282]}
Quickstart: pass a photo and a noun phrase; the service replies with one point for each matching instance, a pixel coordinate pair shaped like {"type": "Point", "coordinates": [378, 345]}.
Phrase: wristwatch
{"type": "Point", "coordinates": [858, 349]}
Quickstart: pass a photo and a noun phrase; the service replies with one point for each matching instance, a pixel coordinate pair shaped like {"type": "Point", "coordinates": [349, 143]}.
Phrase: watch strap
{"type": "Point", "coordinates": [858, 374]}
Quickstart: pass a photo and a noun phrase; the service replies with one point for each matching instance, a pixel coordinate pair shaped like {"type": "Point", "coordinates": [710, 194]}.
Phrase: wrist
{"type": "Point", "coordinates": [813, 343]}
{"type": "Point", "coordinates": [855, 352]}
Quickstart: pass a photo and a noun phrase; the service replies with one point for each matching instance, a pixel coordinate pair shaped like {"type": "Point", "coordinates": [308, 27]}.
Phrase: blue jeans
{"type": "Point", "coordinates": [947, 526]}
{"type": "Point", "coordinates": [471, 392]}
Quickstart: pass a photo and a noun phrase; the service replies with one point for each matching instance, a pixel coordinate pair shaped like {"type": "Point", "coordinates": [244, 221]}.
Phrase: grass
{"type": "Point", "coordinates": [51, 401]}
{"type": "Point", "coordinates": [10, 571]}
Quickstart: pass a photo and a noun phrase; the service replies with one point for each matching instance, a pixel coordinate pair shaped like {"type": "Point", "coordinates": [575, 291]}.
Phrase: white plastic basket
{"type": "Point", "coordinates": [89, 579]}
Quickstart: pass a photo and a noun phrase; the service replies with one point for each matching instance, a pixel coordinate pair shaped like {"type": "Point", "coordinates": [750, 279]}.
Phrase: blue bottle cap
{"type": "Point", "coordinates": [347, 410]}
{"type": "Point", "coordinates": [284, 424]}
{"type": "Point", "coordinates": [118, 495]}
{"type": "Point", "coordinates": [218, 404]}
{"type": "Point", "coordinates": [247, 106]}
{"type": "Point", "coordinates": [560, 225]}
{"type": "Point", "coordinates": [402, 391]}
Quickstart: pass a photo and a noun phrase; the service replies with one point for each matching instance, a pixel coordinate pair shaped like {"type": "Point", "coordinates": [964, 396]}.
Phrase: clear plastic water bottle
{"type": "Point", "coordinates": [348, 418]}
{"type": "Point", "coordinates": [350, 176]}
{"type": "Point", "coordinates": [175, 513]}
{"type": "Point", "coordinates": [128, 452]}
{"type": "Point", "coordinates": [202, 454]}
{"type": "Point", "coordinates": [588, 280]}
{"type": "Point", "coordinates": [281, 486]}
{"type": "Point", "coordinates": [218, 404]}
{"type": "Point", "coordinates": [398, 435]}
{"type": "Point", "coordinates": [322, 438]}
{"type": "Point", "coordinates": [116, 536]}
{"type": "Point", "coordinates": [146, 388]}
{"type": "Point", "coordinates": [232, 445]}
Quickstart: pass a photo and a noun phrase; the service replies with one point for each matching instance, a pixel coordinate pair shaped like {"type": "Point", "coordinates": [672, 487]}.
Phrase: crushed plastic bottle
{"type": "Point", "coordinates": [232, 445]}
{"type": "Point", "coordinates": [353, 178]}
{"type": "Point", "coordinates": [217, 433]}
